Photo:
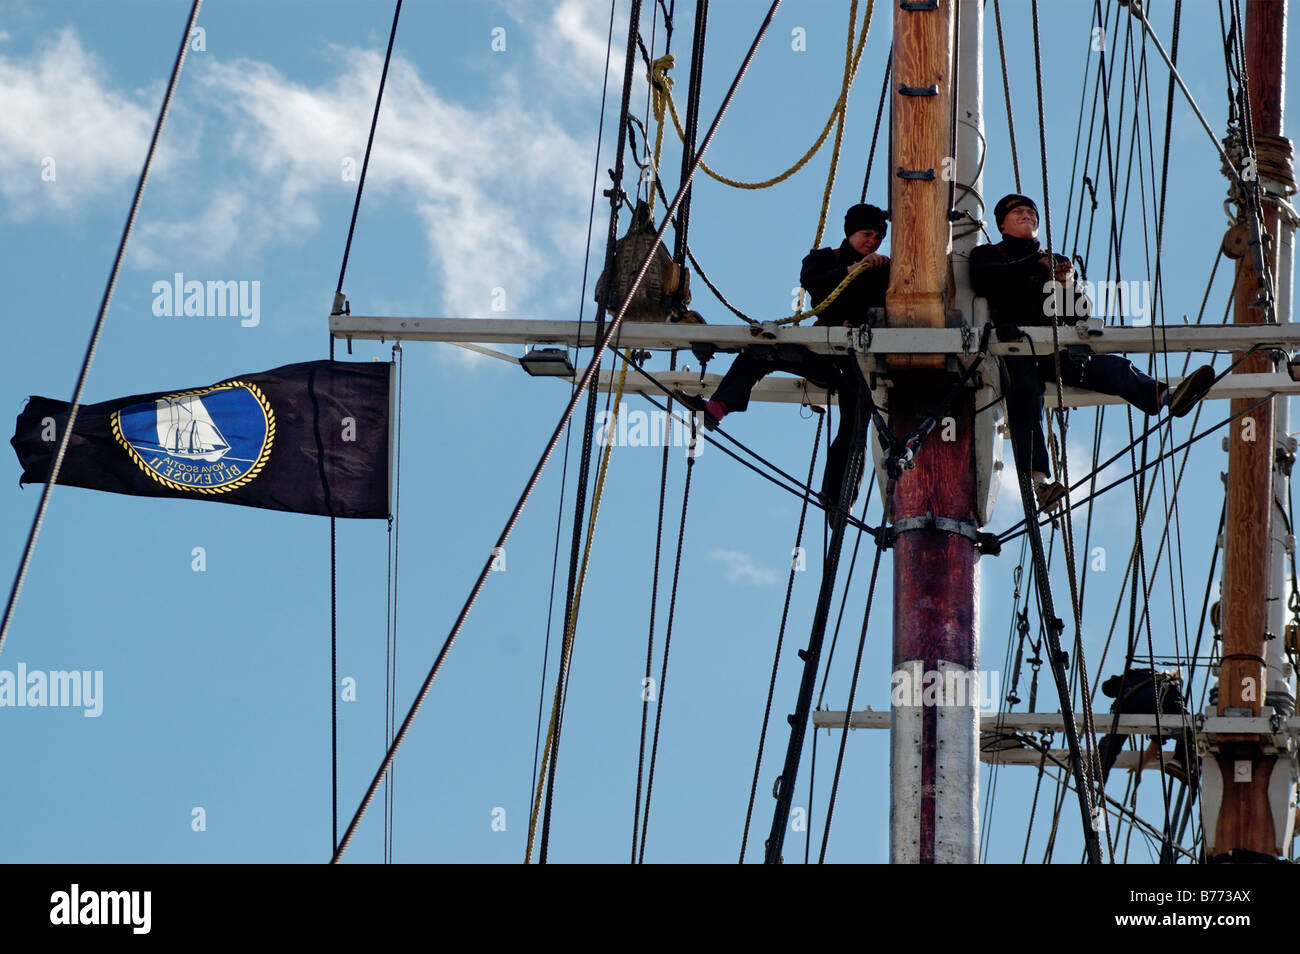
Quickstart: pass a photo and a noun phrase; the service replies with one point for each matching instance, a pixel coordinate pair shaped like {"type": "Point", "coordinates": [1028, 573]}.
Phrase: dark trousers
{"type": "Point", "coordinates": [1026, 385]}
{"type": "Point", "coordinates": [833, 372]}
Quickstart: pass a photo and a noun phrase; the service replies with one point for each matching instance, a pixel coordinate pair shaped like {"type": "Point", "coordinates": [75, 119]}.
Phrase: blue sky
{"type": "Point", "coordinates": [214, 682]}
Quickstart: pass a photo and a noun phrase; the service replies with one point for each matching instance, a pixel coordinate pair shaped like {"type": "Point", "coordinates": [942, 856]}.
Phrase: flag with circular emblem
{"type": "Point", "coordinates": [307, 438]}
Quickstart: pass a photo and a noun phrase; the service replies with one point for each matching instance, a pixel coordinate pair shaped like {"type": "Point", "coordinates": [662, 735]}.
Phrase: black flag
{"type": "Point", "coordinates": [308, 438]}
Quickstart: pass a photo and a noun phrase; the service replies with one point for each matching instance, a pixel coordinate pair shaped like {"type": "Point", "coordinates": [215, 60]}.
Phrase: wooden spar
{"type": "Point", "coordinates": [933, 748]}
{"type": "Point", "coordinates": [1244, 821]}
{"type": "Point", "coordinates": [919, 195]}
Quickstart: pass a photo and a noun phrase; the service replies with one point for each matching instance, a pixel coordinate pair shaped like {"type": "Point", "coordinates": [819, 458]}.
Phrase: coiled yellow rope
{"type": "Point", "coordinates": [662, 87]}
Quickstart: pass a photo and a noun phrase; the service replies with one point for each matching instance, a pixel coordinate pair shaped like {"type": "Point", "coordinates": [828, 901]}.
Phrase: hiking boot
{"type": "Point", "coordinates": [1049, 494]}
{"type": "Point", "coordinates": [1194, 387]}
{"type": "Point", "coordinates": [699, 405]}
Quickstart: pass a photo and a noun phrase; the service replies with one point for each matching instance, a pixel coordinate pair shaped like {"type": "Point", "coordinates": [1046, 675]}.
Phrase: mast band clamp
{"type": "Point", "coordinates": [931, 90]}
{"type": "Point", "coordinates": [926, 174]}
{"type": "Point", "coordinates": [986, 543]}
{"type": "Point", "coordinates": [915, 6]}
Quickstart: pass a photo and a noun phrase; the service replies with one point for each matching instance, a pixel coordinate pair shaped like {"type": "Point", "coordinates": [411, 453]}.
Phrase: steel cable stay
{"type": "Point", "coordinates": [650, 637]}
{"type": "Point", "coordinates": [584, 382]}
{"type": "Point", "coordinates": [589, 422]}
{"type": "Point", "coordinates": [848, 709]}
{"type": "Point", "coordinates": [785, 785]}
{"type": "Point", "coordinates": [780, 638]}
{"type": "Point", "coordinates": [830, 659]}
{"type": "Point", "coordinates": [1054, 627]}
{"type": "Point", "coordinates": [1139, 87]}
{"type": "Point", "coordinates": [1082, 770]}
{"type": "Point", "coordinates": [340, 306]}
{"type": "Point", "coordinates": [97, 330]}
{"type": "Point", "coordinates": [564, 468]}
{"type": "Point", "coordinates": [668, 636]}
{"type": "Point", "coordinates": [1012, 697]}
{"type": "Point", "coordinates": [394, 565]}
{"type": "Point", "coordinates": [550, 755]}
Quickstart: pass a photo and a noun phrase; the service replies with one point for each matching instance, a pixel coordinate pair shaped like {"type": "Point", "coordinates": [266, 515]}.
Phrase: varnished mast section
{"type": "Point", "coordinates": [1244, 820]}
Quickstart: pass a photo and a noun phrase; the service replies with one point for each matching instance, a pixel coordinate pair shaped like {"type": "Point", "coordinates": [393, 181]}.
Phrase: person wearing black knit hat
{"type": "Point", "coordinates": [1024, 287]}
{"type": "Point", "coordinates": [823, 271]}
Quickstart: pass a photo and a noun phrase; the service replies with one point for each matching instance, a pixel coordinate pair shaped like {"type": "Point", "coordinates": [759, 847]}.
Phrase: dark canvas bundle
{"type": "Point", "coordinates": [664, 287]}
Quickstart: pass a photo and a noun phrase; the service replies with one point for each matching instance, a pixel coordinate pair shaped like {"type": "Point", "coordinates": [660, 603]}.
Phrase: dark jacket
{"type": "Point", "coordinates": [1010, 275]}
{"type": "Point", "coordinates": [1142, 688]}
{"type": "Point", "coordinates": [823, 270]}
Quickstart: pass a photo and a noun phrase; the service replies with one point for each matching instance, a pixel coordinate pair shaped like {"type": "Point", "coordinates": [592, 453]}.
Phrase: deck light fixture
{"type": "Point", "coordinates": [547, 362]}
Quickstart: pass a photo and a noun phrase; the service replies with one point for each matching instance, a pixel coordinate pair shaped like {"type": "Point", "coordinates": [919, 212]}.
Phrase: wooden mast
{"type": "Point", "coordinates": [1244, 822]}
{"type": "Point", "coordinates": [933, 757]}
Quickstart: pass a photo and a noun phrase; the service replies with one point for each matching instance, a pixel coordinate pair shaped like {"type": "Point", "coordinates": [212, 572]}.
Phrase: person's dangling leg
{"type": "Point", "coordinates": [1024, 399]}
{"type": "Point", "coordinates": [750, 367]}
{"type": "Point", "coordinates": [848, 389]}
{"type": "Point", "coordinates": [1114, 374]}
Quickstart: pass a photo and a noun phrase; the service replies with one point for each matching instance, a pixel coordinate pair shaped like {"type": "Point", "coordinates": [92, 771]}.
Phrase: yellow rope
{"type": "Point", "coordinates": [577, 599]}
{"type": "Point", "coordinates": [850, 68]}
{"type": "Point", "coordinates": [854, 272]}
{"type": "Point", "coordinates": [661, 83]}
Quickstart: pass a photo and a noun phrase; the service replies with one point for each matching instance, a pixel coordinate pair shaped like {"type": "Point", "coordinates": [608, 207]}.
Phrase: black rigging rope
{"type": "Point", "coordinates": [848, 712]}
{"type": "Point", "coordinates": [668, 638]}
{"type": "Point", "coordinates": [875, 132]}
{"type": "Point", "coordinates": [780, 638]}
{"type": "Point", "coordinates": [583, 383]}
{"type": "Point", "coordinates": [650, 637]}
{"type": "Point", "coordinates": [830, 659]}
{"type": "Point", "coordinates": [564, 467]}
{"type": "Point", "coordinates": [395, 533]}
{"type": "Point", "coordinates": [812, 655]}
{"type": "Point", "coordinates": [89, 357]}
{"type": "Point", "coordinates": [339, 307]}
{"type": "Point", "coordinates": [589, 424]}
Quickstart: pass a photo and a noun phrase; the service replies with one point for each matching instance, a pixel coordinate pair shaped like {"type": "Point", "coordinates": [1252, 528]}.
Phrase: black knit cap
{"type": "Point", "coordinates": [1009, 202]}
{"type": "Point", "coordinates": [861, 217]}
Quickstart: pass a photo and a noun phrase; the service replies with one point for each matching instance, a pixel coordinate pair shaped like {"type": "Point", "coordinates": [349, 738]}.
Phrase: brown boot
{"type": "Point", "coordinates": [1194, 387]}
{"type": "Point", "coordinates": [1049, 494]}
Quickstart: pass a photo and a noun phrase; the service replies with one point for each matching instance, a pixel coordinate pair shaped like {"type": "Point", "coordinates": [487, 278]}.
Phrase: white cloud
{"type": "Point", "coordinates": [572, 40]}
{"type": "Point", "coordinates": [739, 568]}
{"type": "Point", "coordinates": [494, 187]}
{"type": "Point", "coordinates": [58, 106]}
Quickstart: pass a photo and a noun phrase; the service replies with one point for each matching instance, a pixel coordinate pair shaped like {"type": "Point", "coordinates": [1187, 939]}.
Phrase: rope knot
{"type": "Point", "coordinates": [661, 83]}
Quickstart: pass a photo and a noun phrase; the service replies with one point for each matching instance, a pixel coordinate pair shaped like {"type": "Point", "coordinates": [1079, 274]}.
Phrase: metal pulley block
{"type": "Point", "coordinates": [1236, 242]}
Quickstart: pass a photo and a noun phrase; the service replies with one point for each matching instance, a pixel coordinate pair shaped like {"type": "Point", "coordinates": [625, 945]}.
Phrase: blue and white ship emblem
{"type": "Point", "coordinates": [209, 441]}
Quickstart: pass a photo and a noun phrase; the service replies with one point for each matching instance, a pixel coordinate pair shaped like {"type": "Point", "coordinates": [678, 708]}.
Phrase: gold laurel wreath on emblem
{"type": "Point", "coordinates": [252, 472]}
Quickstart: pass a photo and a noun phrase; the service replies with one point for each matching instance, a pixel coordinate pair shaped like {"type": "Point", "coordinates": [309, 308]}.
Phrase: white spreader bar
{"type": "Point", "coordinates": [664, 336]}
